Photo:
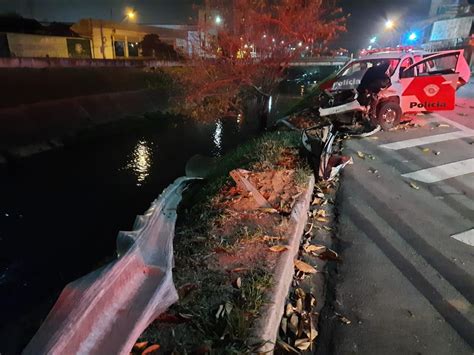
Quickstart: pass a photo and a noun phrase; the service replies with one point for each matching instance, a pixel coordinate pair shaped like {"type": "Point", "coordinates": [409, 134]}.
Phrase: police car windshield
{"type": "Point", "coordinates": [350, 76]}
{"type": "Point", "coordinates": [361, 66]}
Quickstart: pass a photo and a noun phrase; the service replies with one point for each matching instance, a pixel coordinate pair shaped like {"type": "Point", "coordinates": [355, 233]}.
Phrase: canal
{"type": "Point", "coordinates": [60, 211]}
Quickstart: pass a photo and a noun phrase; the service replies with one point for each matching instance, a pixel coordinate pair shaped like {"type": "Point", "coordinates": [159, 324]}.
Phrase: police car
{"type": "Point", "coordinates": [416, 81]}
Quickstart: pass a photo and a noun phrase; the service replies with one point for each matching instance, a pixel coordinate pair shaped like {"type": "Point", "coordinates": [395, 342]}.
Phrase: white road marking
{"type": "Point", "coordinates": [443, 172]}
{"type": "Point", "coordinates": [466, 237]}
{"type": "Point", "coordinates": [452, 123]}
{"type": "Point", "coordinates": [427, 140]}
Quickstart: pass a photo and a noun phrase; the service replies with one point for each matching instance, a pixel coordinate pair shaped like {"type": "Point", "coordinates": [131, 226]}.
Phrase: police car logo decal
{"type": "Point", "coordinates": [431, 90]}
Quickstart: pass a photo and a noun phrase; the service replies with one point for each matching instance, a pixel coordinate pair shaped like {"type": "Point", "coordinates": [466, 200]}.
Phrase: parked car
{"type": "Point", "coordinates": [381, 87]}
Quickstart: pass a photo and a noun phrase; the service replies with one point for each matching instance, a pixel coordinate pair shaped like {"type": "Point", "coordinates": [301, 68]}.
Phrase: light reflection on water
{"type": "Point", "coordinates": [141, 160]}
{"type": "Point", "coordinates": [217, 137]}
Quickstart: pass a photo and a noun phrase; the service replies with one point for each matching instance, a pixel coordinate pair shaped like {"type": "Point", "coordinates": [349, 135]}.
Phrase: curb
{"type": "Point", "coordinates": [105, 311]}
{"type": "Point", "coordinates": [266, 328]}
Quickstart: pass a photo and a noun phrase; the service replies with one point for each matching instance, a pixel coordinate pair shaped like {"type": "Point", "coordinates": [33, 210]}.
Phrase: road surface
{"type": "Point", "coordinates": [406, 235]}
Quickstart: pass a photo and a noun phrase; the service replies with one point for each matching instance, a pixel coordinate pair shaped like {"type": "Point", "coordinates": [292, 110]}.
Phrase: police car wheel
{"type": "Point", "coordinates": [388, 115]}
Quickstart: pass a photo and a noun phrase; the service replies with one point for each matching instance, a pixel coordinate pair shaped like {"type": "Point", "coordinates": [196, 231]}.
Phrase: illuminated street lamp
{"type": "Point", "coordinates": [389, 25]}
{"type": "Point", "coordinates": [130, 15]}
{"type": "Point", "coordinates": [218, 20]}
{"type": "Point", "coordinates": [373, 40]}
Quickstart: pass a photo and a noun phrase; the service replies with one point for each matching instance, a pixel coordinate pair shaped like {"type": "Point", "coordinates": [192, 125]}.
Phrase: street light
{"type": "Point", "coordinates": [131, 15]}
{"type": "Point", "coordinates": [373, 40]}
{"type": "Point", "coordinates": [389, 24]}
{"type": "Point", "coordinates": [218, 20]}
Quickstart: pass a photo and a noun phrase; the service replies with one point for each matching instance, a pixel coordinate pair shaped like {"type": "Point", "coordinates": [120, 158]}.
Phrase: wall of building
{"type": "Point", "coordinates": [104, 34]}
{"type": "Point", "coordinates": [37, 46]}
{"type": "Point", "coordinates": [103, 37]}
{"type": "Point", "coordinates": [26, 45]}
{"type": "Point", "coordinates": [451, 29]}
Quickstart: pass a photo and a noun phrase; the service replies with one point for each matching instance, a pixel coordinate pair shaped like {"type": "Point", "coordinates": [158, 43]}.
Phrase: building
{"type": "Point", "coordinates": [113, 40]}
{"type": "Point", "coordinates": [450, 25]}
{"type": "Point", "coordinates": [187, 44]}
{"type": "Point", "coordinates": [20, 37]}
{"type": "Point", "coordinates": [88, 38]}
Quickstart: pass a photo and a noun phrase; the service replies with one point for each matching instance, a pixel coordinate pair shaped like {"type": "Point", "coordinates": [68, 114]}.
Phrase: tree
{"type": "Point", "coordinates": [153, 46]}
{"type": "Point", "coordinates": [246, 47]}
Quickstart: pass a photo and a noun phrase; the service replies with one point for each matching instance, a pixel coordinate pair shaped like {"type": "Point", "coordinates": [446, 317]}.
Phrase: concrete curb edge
{"type": "Point", "coordinates": [266, 328]}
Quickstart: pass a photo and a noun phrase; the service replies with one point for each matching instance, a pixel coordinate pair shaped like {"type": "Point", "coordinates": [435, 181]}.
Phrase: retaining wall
{"type": "Point", "coordinates": [39, 63]}
{"type": "Point", "coordinates": [34, 124]}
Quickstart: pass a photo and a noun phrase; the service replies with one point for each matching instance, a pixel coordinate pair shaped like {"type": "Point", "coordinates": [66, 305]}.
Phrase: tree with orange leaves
{"type": "Point", "coordinates": [246, 47]}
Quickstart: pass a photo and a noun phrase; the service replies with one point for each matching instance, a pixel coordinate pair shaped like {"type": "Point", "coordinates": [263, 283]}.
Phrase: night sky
{"type": "Point", "coordinates": [367, 17]}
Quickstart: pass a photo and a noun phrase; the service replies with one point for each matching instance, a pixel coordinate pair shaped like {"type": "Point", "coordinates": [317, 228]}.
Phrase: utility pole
{"type": "Point", "coordinates": [30, 8]}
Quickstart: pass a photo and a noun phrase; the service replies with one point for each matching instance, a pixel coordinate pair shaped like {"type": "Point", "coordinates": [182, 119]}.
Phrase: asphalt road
{"type": "Point", "coordinates": [406, 229]}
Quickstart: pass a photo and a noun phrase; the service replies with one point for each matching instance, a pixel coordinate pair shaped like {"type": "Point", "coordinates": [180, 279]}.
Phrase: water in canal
{"type": "Point", "coordinates": [60, 211]}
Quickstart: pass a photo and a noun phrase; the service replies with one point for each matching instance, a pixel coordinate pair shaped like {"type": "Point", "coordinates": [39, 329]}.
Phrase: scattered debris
{"type": "Point", "coordinates": [342, 318]}
{"type": "Point", "coordinates": [304, 267]}
{"type": "Point", "coordinates": [329, 254]}
{"type": "Point", "coordinates": [311, 248]}
{"type": "Point", "coordinates": [414, 186]}
{"type": "Point", "coordinates": [278, 248]}
{"type": "Point", "coordinates": [238, 282]}
{"type": "Point", "coordinates": [140, 346]}
{"type": "Point", "coordinates": [153, 349]}
{"type": "Point", "coordinates": [240, 177]}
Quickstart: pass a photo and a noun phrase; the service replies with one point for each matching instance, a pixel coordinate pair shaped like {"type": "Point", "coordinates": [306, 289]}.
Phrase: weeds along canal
{"type": "Point", "coordinates": [60, 211]}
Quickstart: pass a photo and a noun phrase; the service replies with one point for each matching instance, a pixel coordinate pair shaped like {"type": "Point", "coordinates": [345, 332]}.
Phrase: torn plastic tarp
{"type": "Point", "coordinates": [105, 311]}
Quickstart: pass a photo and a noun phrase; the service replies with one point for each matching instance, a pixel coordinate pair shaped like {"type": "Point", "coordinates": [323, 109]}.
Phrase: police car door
{"type": "Point", "coordinates": [430, 84]}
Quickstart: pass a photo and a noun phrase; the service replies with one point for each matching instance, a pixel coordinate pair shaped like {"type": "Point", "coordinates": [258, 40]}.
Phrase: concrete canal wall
{"type": "Point", "coordinates": [32, 128]}
{"type": "Point", "coordinates": [40, 108]}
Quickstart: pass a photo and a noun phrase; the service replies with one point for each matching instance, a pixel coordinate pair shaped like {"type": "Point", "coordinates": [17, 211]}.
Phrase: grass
{"type": "Point", "coordinates": [301, 174]}
{"type": "Point", "coordinates": [221, 314]}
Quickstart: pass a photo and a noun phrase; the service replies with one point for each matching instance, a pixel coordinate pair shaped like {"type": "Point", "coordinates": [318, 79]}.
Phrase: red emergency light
{"type": "Point", "coordinates": [386, 49]}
